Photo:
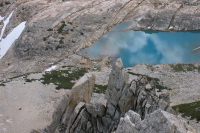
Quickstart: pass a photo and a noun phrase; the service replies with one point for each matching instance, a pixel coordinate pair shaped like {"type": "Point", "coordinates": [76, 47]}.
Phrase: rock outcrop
{"type": "Point", "coordinates": [157, 122]}
{"type": "Point", "coordinates": [56, 29]}
{"type": "Point", "coordinates": [125, 92]}
{"type": "Point", "coordinates": [81, 92]}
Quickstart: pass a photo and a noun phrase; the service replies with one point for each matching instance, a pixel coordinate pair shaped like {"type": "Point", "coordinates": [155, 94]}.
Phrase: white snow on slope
{"type": "Point", "coordinates": [10, 38]}
{"type": "Point", "coordinates": [5, 23]}
{"type": "Point", "coordinates": [1, 18]}
{"type": "Point", "coordinates": [51, 68]}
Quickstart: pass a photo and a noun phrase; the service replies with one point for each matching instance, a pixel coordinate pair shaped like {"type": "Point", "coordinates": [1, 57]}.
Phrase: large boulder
{"type": "Point", "coordinates": [157, 122]}
{"type": "Point", "coordinates": [127, 123]}
{"type": "Point", "coordinates": [129, 91]}
{"type": "Point", "coordinates": [81, 92]}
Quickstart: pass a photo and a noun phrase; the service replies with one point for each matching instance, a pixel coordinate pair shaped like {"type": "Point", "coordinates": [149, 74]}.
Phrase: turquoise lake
{"type": "Point", "coordinates": [147, 47]}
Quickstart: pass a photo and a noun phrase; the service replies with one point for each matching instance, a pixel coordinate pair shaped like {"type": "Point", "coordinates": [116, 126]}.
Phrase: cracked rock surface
{"type": "Point", "coordinates": [125, 92]}
{"type": "Point", "coordinates": [56, 29]}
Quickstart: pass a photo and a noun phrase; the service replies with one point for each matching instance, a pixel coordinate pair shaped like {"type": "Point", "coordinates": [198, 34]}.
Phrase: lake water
{"type": "Point", "coordinates": [147, 46]}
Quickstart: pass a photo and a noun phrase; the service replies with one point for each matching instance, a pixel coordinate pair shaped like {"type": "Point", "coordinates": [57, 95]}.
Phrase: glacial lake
{"type": "Point", "coordinates": [147, 47]}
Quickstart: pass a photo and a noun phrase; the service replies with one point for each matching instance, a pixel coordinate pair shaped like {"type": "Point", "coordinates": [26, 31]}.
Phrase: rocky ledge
{"type": "Point", "coordinates": [133, 106]}
{"type": "Point", "coordinates": [56, 29]}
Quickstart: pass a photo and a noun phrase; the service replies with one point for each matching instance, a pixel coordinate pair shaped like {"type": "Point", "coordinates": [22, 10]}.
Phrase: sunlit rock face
{"type": "Point", "coordinates": [56, 29]}
{"type": "Point", "coordinates": [125, 92]}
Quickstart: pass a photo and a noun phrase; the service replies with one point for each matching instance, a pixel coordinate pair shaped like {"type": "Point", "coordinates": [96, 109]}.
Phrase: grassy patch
{"type": "Point", "coordinates": [23, 75]}
{"type": "Point", "coordinates": [61, 41]}
{"type": "Point", "coordinates": [185, 67]}
{"type": "Point", "coordinates": [44, 38]}
{"type": "Point", "coordinates": [100, 88]}
{"type": "Point", "coordinates": [7, 3]}
{"type": "Point", "coordinates": [30, 80]}
{"type": "Point", "coordinates": [189, 109]}
{"type": "Point", "coordinates": [81, 33]}
{"type": "Point", "coordinates": [82, 63]}
{"type": "Point", "coordinates": [158, 86]}
{"type": "Point", "coordinates": [148, 78]}
{"type": "Point", "coordinates": [73, 41]}
{"type": "Point", "coordinates": [60, 29]}
{"type": "Point", "coordinates": [70, 23]}
{"type": "Point", "coordinates": [63, 78]}
{"type": "Point", "coordinates": [58, 47]}
{"type": "Point", "coordinates": [50, 29]}
{"type": "Point", "coordinates": [2, 84]}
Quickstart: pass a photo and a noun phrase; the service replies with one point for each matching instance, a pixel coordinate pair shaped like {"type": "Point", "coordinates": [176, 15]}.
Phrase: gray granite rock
{"type": "Point", "coordinates": [81, 92]}
{"type": "Point", "coordinates": [157, 122]}
{"type": "Point", "coordinates": [128, 95]}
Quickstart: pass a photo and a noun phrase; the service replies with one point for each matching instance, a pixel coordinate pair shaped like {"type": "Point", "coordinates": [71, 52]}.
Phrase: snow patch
{"type": "Point", "coordinates": [171, 27]}
{"type": "Point", "coordinates": [1, 18]}
{"type": "Point", "coordinates": [67, 2]}
{"type": "Point", "coordinates": [5, 23]}
{"type": "Point", "coordinates": [139, 19]}
{"type": "Point", "coordinates": [10, 38]}
{"type": "Point", "coordinates": [51, 68]}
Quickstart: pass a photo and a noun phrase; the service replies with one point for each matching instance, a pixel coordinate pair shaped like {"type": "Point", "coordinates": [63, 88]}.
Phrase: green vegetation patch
{"type": "Point", "coordinates": [2, 84]}
{"type": "Point", "coordinates": [50, 29]}
{"type": "Point", "coordinates": [185, 67]}
{"type": "Point", "coordinates": [158, 86]}
{"type": "Point", "coordinates": [148, 78]}
{"type": "Point", "coordinates": [61, 41]}
{"type": "Point", "coordinates": [30, 80]}
{"type": "Point", "coordinates": [60, 29]}
{"type": "Point", "coordinates": [63, 78]}
{"type": "Point", "coordinates": [100, 88]}
{"type": "Point", "coordinates": [7, 3]}
{"type": "Point", "coordinates": [189, 109]}
{"type": "Point", "coordinates": [23, 75]}
{"type": "Point", "coordinates": [58, 47]}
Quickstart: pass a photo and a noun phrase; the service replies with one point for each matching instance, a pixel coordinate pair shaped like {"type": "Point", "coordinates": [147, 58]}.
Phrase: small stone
{"type": "Point", "coordinates": [148, 87]}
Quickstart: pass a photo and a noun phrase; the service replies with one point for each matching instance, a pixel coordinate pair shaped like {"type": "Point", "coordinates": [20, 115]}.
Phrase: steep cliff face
{"type": "Point", "coordinates": [56, 29]}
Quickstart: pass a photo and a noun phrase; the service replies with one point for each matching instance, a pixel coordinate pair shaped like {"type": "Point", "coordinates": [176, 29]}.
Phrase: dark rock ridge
{"type": "Point", "coordinates": [125, 92]}
{"type": "Point", "coordinates": [56, 29]}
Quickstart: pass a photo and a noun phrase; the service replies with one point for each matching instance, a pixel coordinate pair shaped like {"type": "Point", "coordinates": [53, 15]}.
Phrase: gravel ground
{"type": "Point", "coordinates": [26, 105]}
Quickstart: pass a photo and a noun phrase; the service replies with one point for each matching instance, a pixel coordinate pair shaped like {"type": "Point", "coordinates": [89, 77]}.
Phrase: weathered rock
{"type": "Point", "coordinates": [127, 123]}
{"type": "Point", "coordinates": [96, 109]}
{"type": "Point", "coordinates": [81, 92]}
{"type": "Point", "coordinates": [133, 116]}
{"type": "Point", "coordinates": [161, 121]}
{"type": "Point", "coordinates": [126, 92]}
{"type": "Point", "coordinates": [157, 122]}
{"type": "Point", "coordinates": [56, 29]}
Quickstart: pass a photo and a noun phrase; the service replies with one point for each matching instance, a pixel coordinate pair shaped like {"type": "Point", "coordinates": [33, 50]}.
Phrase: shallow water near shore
{"type": "Point", "coordinates": [147, 47]}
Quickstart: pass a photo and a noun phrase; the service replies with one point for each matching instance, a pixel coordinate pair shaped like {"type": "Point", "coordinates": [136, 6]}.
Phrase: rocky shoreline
{"type": "Point", "coordinates": [53, 33]}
